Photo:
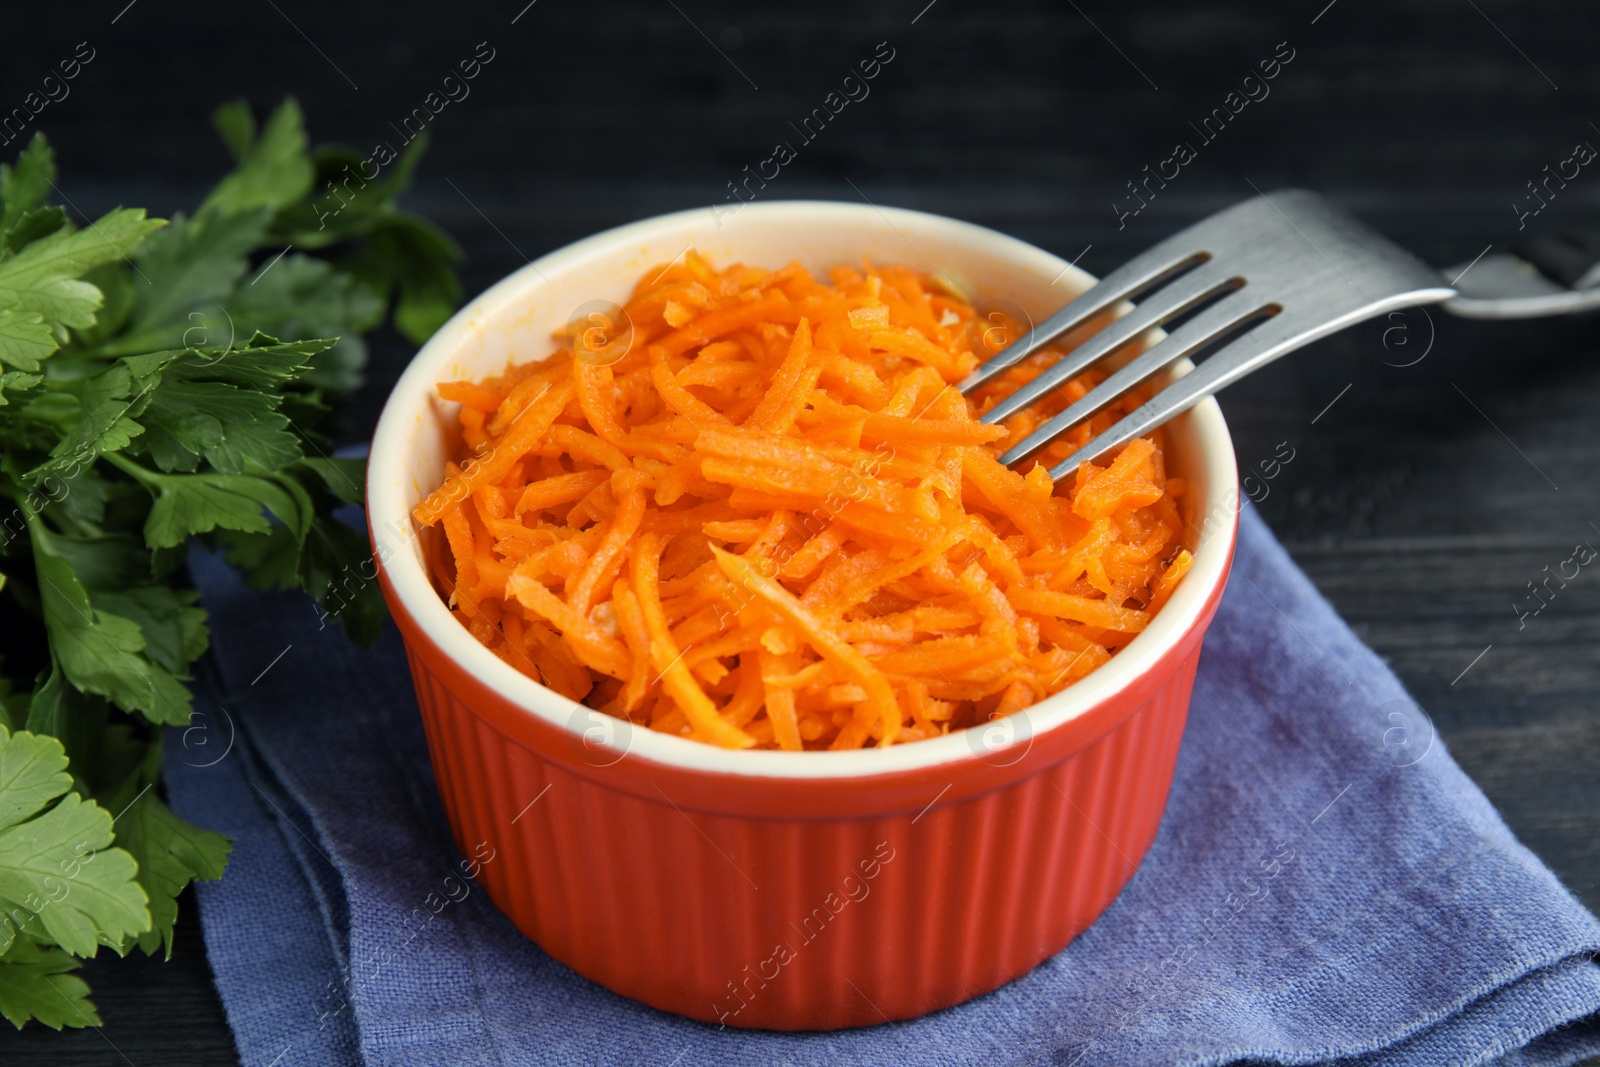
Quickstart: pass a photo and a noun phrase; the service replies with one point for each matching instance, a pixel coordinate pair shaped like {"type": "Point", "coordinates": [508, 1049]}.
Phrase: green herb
{"type": "Point", "coordinates": [162, 381]}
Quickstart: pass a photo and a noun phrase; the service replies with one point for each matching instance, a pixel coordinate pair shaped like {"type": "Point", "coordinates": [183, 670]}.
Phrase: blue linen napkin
{"type": "Point", "coordinates": [1327, 886]}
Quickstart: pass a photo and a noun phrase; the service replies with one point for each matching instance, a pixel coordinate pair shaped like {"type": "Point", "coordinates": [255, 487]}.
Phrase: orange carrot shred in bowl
{"type": "Point", "coordinates": [753, 509]}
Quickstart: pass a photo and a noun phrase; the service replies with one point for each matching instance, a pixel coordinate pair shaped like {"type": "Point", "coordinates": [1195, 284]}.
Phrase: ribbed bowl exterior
{"type": "Point", "coordinates": [803, 904]}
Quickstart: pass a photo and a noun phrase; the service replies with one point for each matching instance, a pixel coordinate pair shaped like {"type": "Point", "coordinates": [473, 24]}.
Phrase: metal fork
{"type": "Point", "coordinates": [1277, 271]}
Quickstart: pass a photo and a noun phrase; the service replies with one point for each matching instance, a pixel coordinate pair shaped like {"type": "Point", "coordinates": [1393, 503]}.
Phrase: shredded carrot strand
{"type": "Point", "coordinates": [676, 679]}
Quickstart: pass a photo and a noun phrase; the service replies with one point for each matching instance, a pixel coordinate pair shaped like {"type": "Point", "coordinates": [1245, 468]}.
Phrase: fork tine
{"type": "Point", "coordinates": [1148, 268]}
{"type": "Point", "coordinates": [1235, 360]}
{"type": "Point", "coordinates": [1295, 248]}
{"type": "Point", "coordinates": [1158, 307]}
{"type": "Point", "coordinates": [1192, 336]}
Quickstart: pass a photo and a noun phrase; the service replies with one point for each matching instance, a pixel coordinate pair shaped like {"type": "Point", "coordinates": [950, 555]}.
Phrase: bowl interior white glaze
{"type": "Point", "coordinates": [513, 322]}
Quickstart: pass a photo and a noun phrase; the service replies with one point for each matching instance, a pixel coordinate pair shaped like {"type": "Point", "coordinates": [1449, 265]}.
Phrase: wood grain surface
{"type": "Point", "coordinates": [1421, 502]}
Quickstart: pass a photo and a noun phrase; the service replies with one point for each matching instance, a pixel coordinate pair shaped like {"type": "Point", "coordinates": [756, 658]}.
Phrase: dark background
{"type": "Point", "coordinates": [1421, 503]}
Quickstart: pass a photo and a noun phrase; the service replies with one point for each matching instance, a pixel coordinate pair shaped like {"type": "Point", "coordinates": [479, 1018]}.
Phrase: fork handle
{"type": "Point", "coordinates": [1539, 275]}
{"type": "Point", "coordinates": [1569, 257]}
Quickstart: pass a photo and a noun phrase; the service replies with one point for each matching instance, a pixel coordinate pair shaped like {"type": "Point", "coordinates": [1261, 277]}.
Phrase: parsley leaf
{"type": "Point", "coordinates": [25, 339]}
{"type": "Point", "coordinates": [43, 277]}
{"type": "Point", "coordinates": [174, 629]}
{"type": "Point", "coordinates": [273, 170]}
{"type": "Point", "coordinates": [99, 651]}
{"type": "Point", "coordinates": [24, 186]}
{"type": "Point", "coordinates": [31, 775]}
{"type": "Point", "coordinates": [298, 297]}
{"type": "Point", "coordinates": [191, 267]}
{"type": "Point", "coordinates": [233, 429]}
{"type": "Point", "coordinates": [261, 363]}
{"type": "Point", "coordinates": [411, 258]}
{"type": "Point", "coordinates": [57, 871]}
{"type": "Point", "coordinates": [343, 477]}
{"type": "Point", "coordinates": [17, 382]}
{"type": "Point", "coordinates": [203, 502]}
{"type": "Point", "coordinates": [170, 852]}
{"type": "Point", "coordinates": [106, 423]}
{"type": "Point", "coordinates": [37, 983]}
{"type": "Point", "coordinates": [146, 401]}
{"type": "Point", "coordinates": [236, 126]}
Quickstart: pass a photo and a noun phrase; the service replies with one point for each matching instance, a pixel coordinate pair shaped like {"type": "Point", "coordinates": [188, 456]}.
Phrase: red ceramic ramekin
{"type": "Point", "coordinates": [787, 890]}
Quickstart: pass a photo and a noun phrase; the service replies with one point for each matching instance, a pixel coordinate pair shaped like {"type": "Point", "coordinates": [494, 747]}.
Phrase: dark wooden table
{"type": "Point", "coordinates": [1422, 501]}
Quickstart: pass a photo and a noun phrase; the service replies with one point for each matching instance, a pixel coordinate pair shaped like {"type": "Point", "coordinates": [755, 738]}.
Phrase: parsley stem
{"type": "Point", "coordinates": [145, 477]}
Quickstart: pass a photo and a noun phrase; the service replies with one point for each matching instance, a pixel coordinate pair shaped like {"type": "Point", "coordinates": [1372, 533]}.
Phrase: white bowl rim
{"type": "Point", "coordinates": [389, 509]}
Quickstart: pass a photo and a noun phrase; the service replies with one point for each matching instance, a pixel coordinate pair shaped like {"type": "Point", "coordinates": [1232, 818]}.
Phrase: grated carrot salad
{"type": "Point", "coordinates": [753, 510]}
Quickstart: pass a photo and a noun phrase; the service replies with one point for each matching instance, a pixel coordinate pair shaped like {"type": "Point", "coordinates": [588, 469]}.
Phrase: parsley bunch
{"type": "Point", "coordinates": [162, 381]}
